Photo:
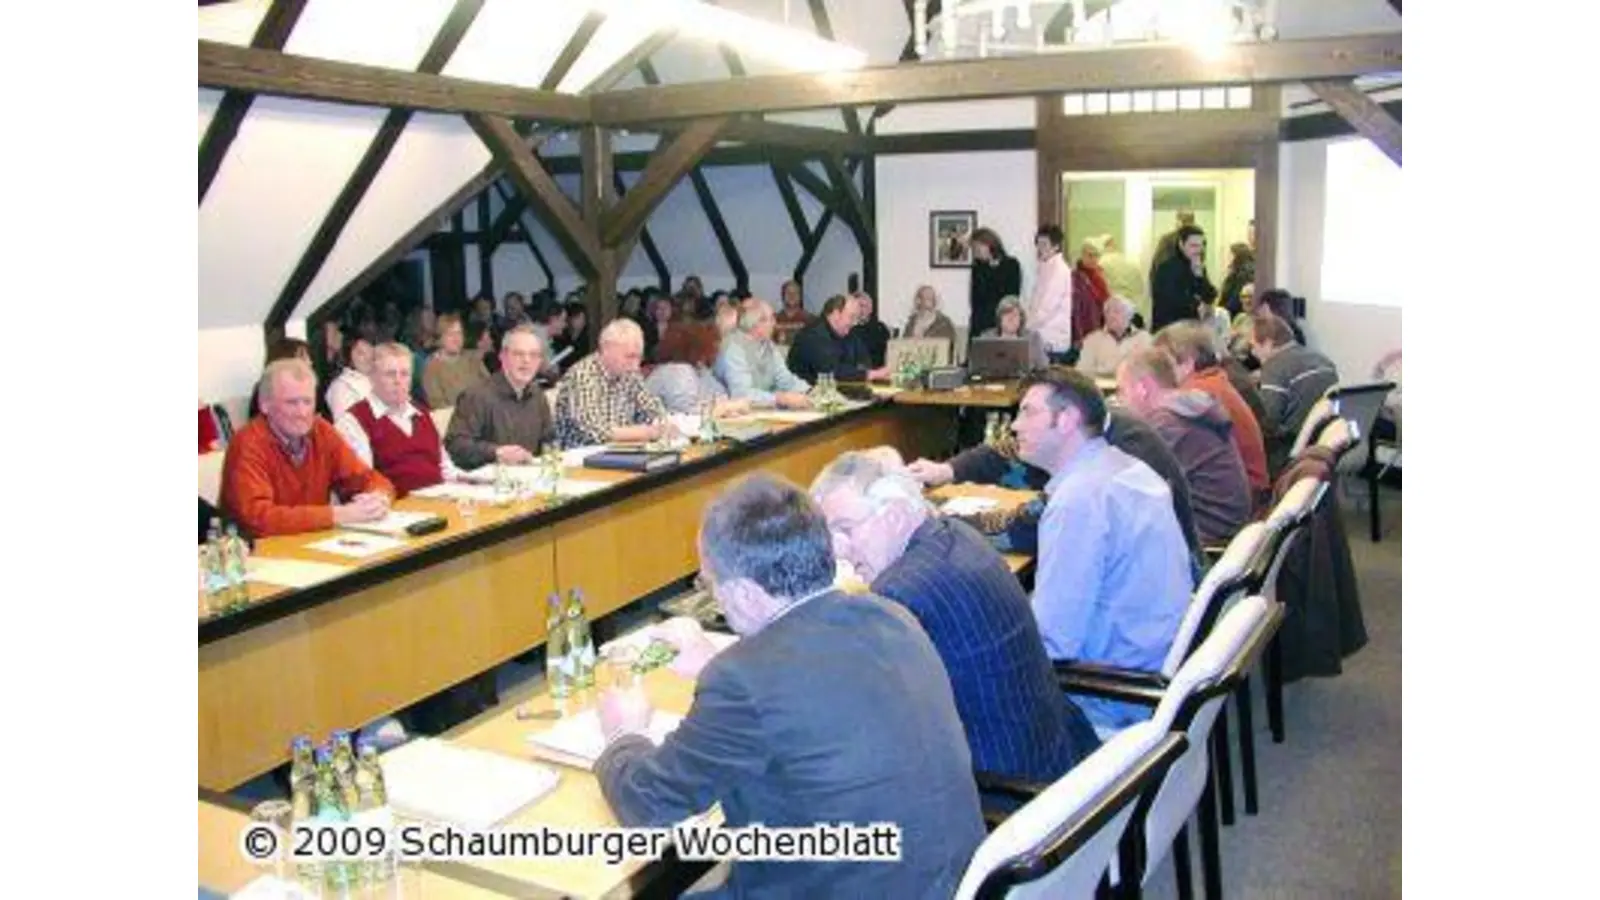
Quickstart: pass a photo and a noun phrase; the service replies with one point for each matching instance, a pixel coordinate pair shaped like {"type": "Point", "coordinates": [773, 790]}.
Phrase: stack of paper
{"type": "Point", "coordinates": [357, 545]}
{"type": "Point", "coordinates": [439, 782]}
{"type": "Point", "coordinates": [577, 740]}
{"type": "Point", "coordinates": [395, 523]}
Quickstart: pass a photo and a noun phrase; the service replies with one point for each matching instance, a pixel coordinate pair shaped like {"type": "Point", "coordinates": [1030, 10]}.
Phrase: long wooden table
{"type": "Point", "coordinates": [407, 624]}
{"type": "Point", "coordinates": [993, 395]}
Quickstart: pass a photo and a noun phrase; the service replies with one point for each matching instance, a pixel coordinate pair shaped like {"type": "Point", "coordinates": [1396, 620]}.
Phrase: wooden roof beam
{"type": "Point", "coordinates": [1121, 68]}
{"type": "Point", "coordinates": [1362, 112]}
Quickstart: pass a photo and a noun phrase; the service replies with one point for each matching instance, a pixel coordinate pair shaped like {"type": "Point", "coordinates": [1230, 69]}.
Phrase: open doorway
{"type": "Point", "coordinates": [1136, 208]}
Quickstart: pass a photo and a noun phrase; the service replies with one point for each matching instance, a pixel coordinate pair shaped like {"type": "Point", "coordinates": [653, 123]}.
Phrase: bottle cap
{"type": "Point", "coordinates": [301, 743]}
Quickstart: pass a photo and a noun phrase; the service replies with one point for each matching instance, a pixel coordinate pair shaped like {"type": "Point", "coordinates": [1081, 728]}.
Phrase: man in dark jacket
{"type": "Point", "coordinates": [1179, 284]}
{"type": "Point", "coordinates": [830, 709]}
{"type": "Point", "coordinates": [1200, 434]}
{"type": "Point", "coordinates": [828, 346]}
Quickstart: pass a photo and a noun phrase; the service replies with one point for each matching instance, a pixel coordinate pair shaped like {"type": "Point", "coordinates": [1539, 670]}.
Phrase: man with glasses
{"type": "Point", "coordinates": [505, 418]}
{"type": "Point", "coordinates": [1017, 721]}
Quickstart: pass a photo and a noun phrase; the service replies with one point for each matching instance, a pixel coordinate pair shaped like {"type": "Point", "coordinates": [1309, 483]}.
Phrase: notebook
{"type": "Point", "coordinates": [437, 781]}
{"type": "Point", "coordinates": [577, 740]}
{"type": "Point", "coordinates": [630, 460]}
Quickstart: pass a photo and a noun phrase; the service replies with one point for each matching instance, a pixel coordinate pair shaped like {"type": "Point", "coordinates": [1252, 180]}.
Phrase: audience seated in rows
{"type": "Point", "coordinates": [831, 707]}
{"type": "Point", "coordinates": [1197, 429]}
{"type": "Point", "coordinates": [1017, 721]}
{"type": "Point", "coordinates": [827, 346]}
{"type": "Point", "coordinates": [281, 468]}
{"type": "Point", "coordinates": [926, 321]}
{"type": "Point", "coordinates": [1114, 574]}
{"type": "Point", "coordinates": [682, 379]}
{"type": "Point", "coordinates": [753, 368]}
{"type": "Point", "coordinates": [1293, 379]}
{"type": "Point", "coordinates": [1194, 357]}
{"type": "Point", "coordinates": [604, 399]}
{"type": "Point", "coordinates": [391, 433]}
{"type": "Point", "coordinates": [874, 335]}
{"type": "Point", "coordinates": [506, 417]}
{"type": "Point", "coordinates": [1104, 349]}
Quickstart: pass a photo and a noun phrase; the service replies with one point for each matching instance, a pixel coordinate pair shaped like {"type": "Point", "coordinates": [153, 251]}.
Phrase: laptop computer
{"type": "Point", "coordinates": [997, 358]}
{"type": "Point", "coordinates": [925, 352]}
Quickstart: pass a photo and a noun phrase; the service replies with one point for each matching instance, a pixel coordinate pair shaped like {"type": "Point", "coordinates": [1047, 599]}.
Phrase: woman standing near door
{"type": "Point", "coordinates": [995, 276]}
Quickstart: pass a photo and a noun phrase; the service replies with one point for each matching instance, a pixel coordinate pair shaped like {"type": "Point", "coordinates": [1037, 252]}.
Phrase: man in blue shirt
{"type": "Point", "coordinates": [1016, 719]}
{"type": "Point", "coordinates": [1113, 578]}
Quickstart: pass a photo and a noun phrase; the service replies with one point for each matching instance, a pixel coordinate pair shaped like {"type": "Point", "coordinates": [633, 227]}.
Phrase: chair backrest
{"type": "Point", "coordinates": [1224, 579]}
{"type": "Point", "coordinates": [1295, 504]}
{"type": "Point", "coordinates": [1320, 413]}
{"type": "Point", "coordinates": [1338, 437]}
{"type": "Point", "coordinates": [1190, 706]}
{"type": "Point", "coordinates": [211, 475]}
{"type": "Point", "coordinates": [441, 419]}
{"type": "Point", "coordinates": [1360, 404]}
{"type": "Point", "coordinates": [1063, 841]}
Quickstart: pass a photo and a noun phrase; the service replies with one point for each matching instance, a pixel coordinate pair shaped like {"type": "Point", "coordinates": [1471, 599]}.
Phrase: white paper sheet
{"type": "Point", "coordinates": [790, 416]}
{"type": "Point", "coordinates": [291, 573]}
{"type": "Point", "coordinates": [357, 545]}
{"type": "Point", "coordinates": [440, 782]}
{"type": "Point", "coordinates": [966, 506]}
{"type": "Point", "coordinates": [394, 523]}
{"type": "Point", "coordinates": [577, 740]}
{"type": "Point", "coordinates": [688, 425]}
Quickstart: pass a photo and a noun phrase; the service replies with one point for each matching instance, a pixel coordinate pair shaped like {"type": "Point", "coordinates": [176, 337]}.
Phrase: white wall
{"type": "Point", "coordinates": [1353, 336]}
{"type": "Point", "coordinates": [963, 115]}
{"type": "Point", "coordinates": [230, 359]}
{"type": "Point", "coordinates": [1002, 187]}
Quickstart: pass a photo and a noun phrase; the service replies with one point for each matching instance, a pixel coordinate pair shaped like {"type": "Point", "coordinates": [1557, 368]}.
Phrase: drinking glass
{"type": "Point", "coordinates": [467, 506]}
{"type": "Point", "coordinates": [617, 669]}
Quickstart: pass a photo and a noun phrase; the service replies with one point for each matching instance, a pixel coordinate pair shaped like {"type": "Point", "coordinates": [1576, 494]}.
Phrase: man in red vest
{"type": "Point", "coordinates": [393, 434]}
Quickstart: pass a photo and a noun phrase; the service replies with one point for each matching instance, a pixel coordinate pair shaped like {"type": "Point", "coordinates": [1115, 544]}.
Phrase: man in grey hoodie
{"type": "Point", "coordinates": [1199, 432]}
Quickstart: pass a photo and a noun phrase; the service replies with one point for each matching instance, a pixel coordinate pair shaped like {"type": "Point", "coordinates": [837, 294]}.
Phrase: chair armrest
{"type": "Point", "coordinates": [995, 783]}
{"type": "Point", "coordinates": [1110, 682]}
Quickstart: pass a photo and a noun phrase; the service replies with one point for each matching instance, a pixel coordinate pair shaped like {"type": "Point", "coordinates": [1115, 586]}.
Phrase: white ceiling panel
{"type": "Point", "coordinates": [434, 157]}
{"type": "Point", "coordinates": [515, 41]}
{"type": "Point", "coordinates": [878, 28]}
{"type": "Point", "coordinates": [368, 32]}
{"type": "Point", "coordinates": [289, 161]}
{"type": "Point", "coordinates": [232, 23]}
{"type": "Point", "coordinates": [615, 37]}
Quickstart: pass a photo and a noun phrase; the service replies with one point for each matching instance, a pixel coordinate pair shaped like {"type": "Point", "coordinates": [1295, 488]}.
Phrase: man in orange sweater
{"type": "Point", "coordinates": [1193, 349]}
{"type": "Point", "coordinates": [281, 468]}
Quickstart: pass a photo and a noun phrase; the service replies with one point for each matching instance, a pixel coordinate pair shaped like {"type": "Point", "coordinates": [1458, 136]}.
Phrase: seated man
{"type": "Point", "coordinates": [392, 434]}
{"type": "Point", "coordinates": [1016, 531]}
{"type": "Point", "coordinates": [1293, 379]}
{"type": "Point", "coordinates": [1195, 361]}
{"type": "Point", "coordinates": [828, 346]}
{"type": "Point", "coordinates": [1114, 575]}
{"type": "Point", "coordinates": [1200, 434]}
{"type": "Point", "coordinates": [753, 368]}
{"type": "Point", "coordinates": [603, 398]}
{"type": "Point", "coordinates": [506, 417]}
{"type": "Point", "coordinates": [832, 708]}
{"type": "Point", "coordinates": [1104, 349]}
{"type": "Point", "coordinates": [972, 607]}
{"type": "Point", "coordinates": [280, 468]}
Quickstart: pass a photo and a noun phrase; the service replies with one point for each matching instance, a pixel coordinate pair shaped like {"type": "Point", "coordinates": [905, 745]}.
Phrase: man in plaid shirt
{"type": "Point", "coordinates": [602, 399]}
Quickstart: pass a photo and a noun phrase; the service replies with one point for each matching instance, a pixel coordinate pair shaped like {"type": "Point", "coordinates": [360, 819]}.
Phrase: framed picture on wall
{"type": "Point", "coordinates": [949, 238]}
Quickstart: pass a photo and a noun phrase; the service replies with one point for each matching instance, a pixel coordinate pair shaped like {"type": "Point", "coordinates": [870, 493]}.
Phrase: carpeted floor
{"type": "Point", "coordinates": [1330, 795]}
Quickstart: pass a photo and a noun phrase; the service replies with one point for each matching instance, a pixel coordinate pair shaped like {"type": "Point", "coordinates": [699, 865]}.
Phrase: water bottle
{"type": "Point", "coordinates": [331, 810]}
{"type": "Point", "coordinates": [580, 643]}
{"type": "Point", "coordinates": [557, 651]}
{"type": "Point", "coordinates": [372, 809]}
{"type": "Point", "coordinates": [235, 553]}
{"type": "Point", "coordinates": [217, 594]}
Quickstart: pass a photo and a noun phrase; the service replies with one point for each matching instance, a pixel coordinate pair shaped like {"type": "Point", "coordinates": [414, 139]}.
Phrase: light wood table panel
{"type": "Point", "coordinates": [384, 645]}
{"type": "Point", "coordinates": [997, 395]}
{"type": "Point", "coordinates": [224, 869]}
